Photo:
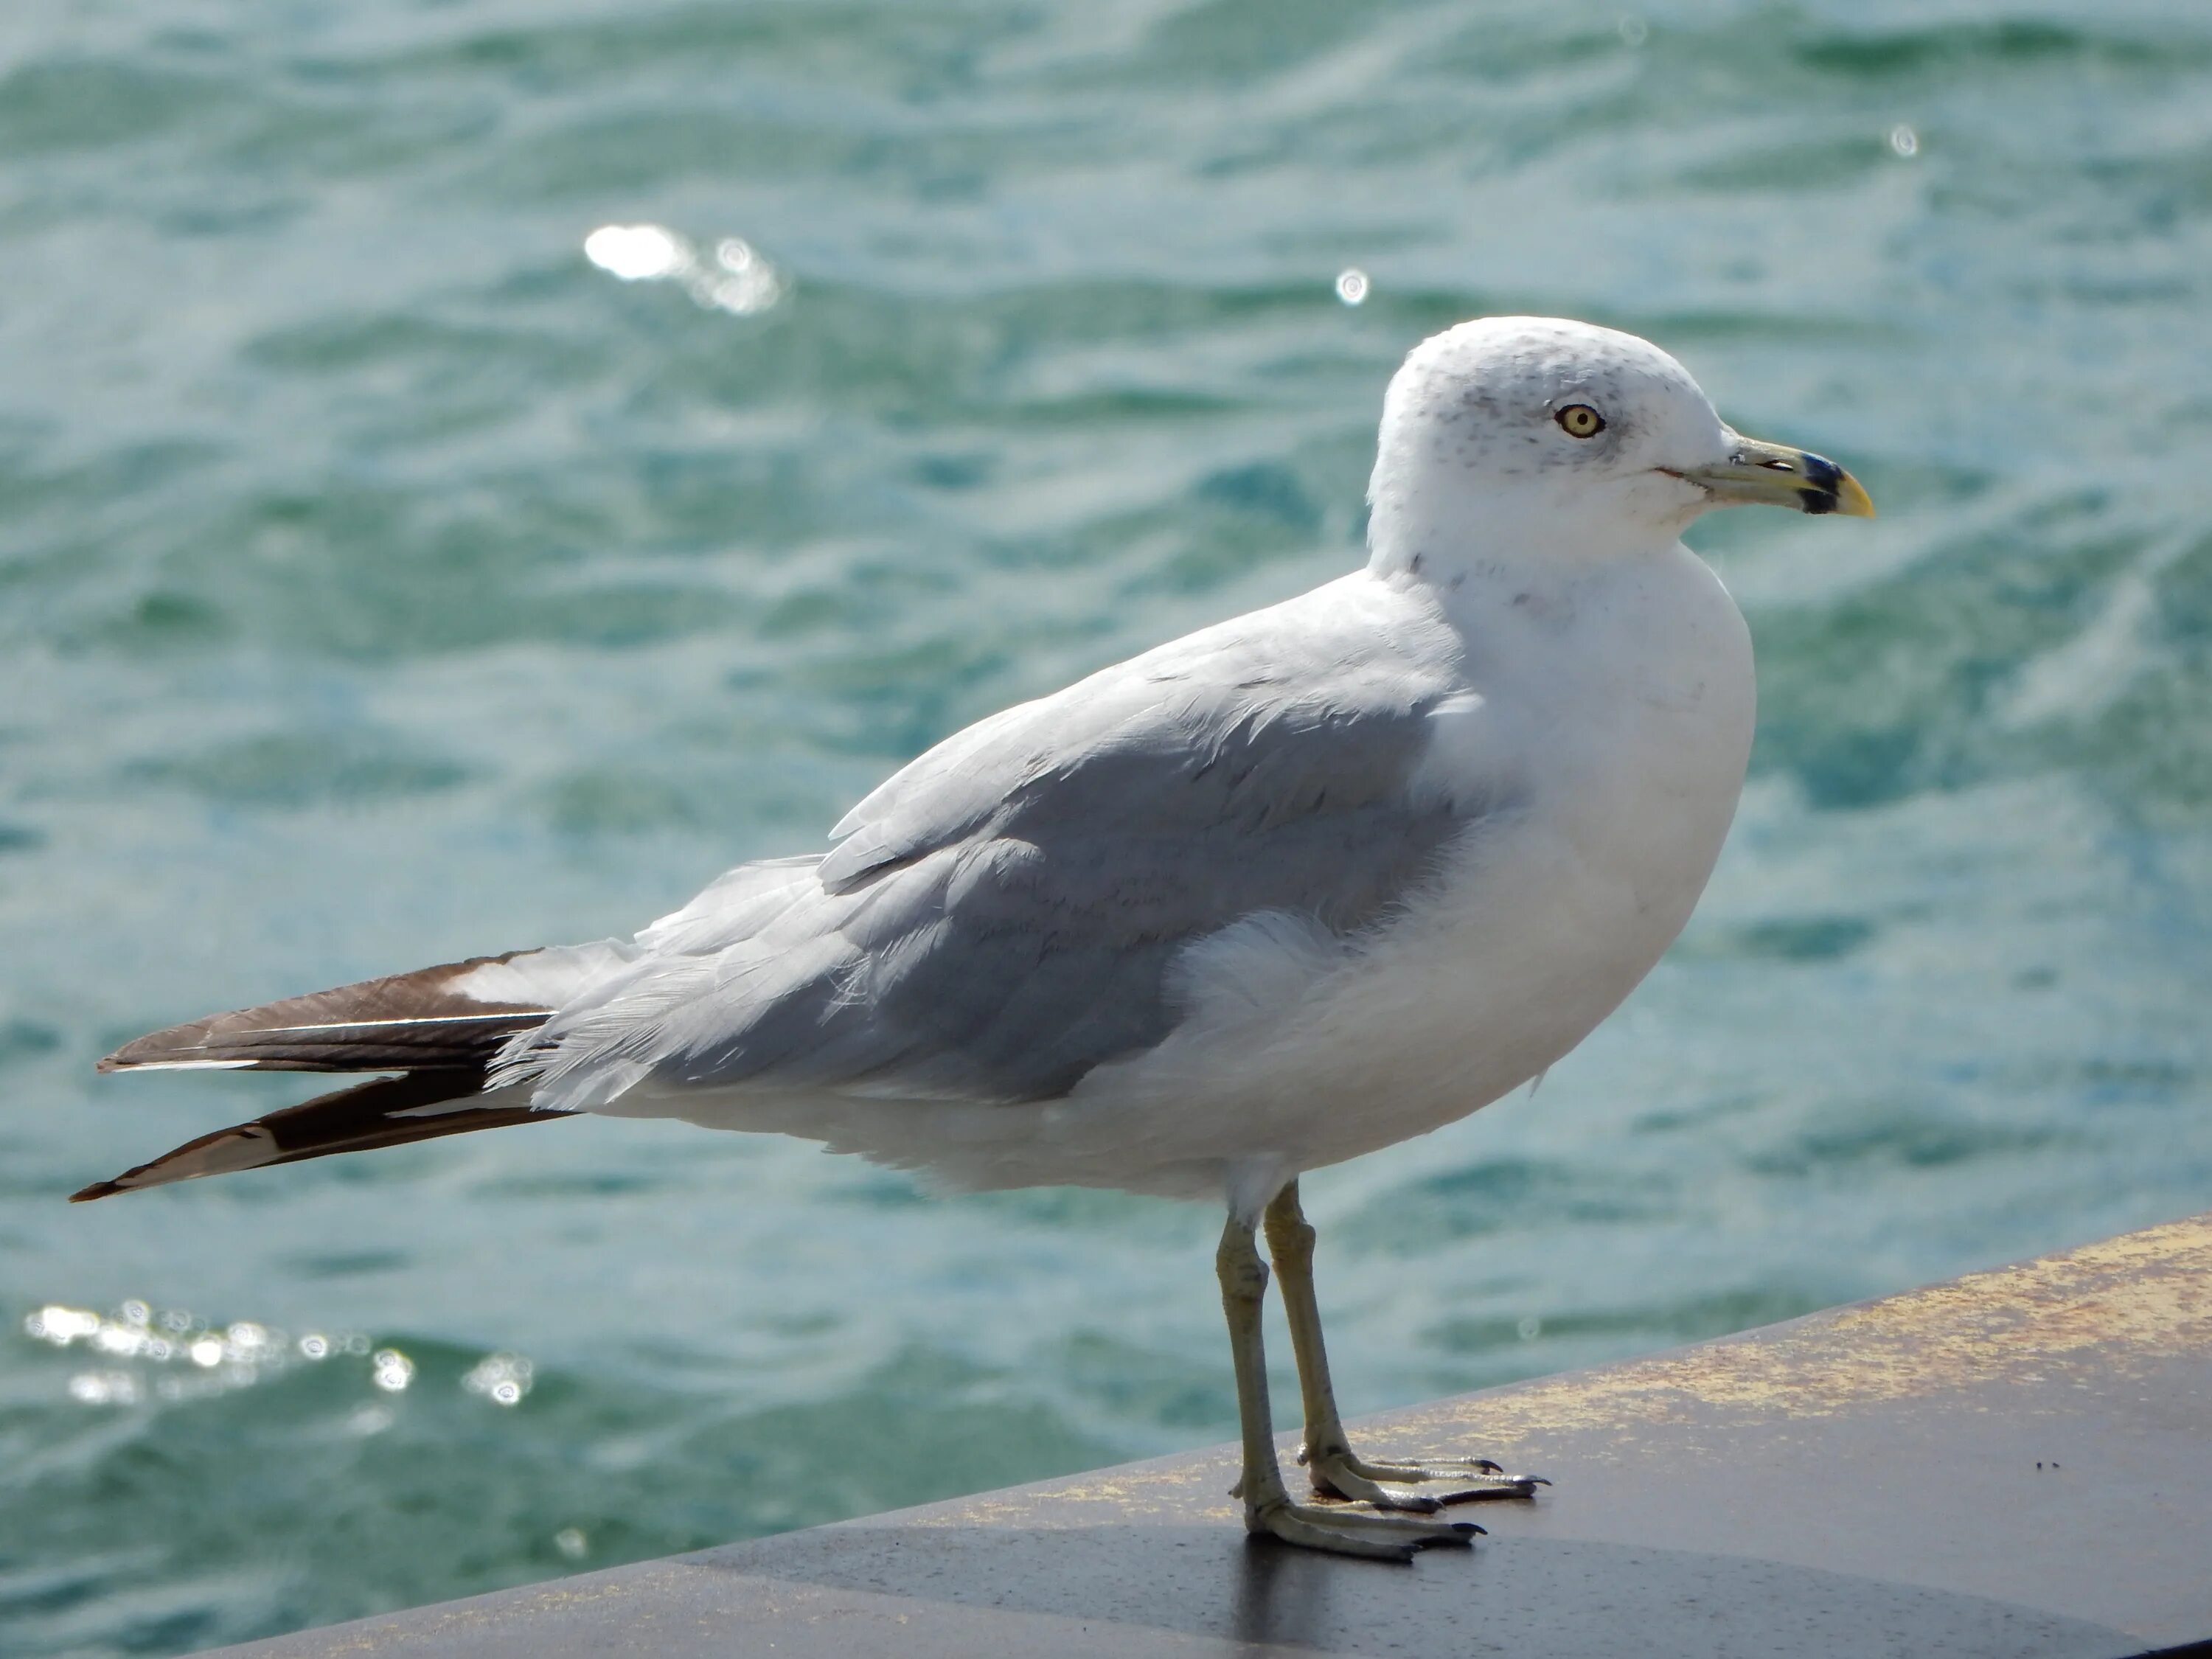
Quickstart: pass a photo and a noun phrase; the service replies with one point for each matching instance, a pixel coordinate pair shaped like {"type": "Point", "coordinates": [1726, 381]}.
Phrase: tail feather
{"type": "Point", "coordinates": [386, 1112]}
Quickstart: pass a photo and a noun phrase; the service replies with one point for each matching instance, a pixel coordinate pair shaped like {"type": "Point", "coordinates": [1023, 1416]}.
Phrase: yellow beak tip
{"type": "Point", "coordinates": [1851, 499]}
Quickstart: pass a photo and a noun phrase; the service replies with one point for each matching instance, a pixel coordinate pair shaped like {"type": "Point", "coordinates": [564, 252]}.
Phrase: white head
{"type": "Point", "coordinates": [1516, 435]}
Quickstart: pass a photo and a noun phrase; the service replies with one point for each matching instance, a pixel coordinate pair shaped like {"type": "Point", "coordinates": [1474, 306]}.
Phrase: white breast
{"type": "Point", "coordinates": [1608, 720]}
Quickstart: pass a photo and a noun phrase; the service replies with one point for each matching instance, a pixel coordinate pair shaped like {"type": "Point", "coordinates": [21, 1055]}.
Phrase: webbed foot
{"type": "Point", "coordinates": [1339, 1473]}
{"type": "Point", "coordinates": [1349, 1532]}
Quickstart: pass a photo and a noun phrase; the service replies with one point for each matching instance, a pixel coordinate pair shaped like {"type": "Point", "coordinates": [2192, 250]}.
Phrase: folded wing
{"type": "Point", "coordinates": [1001, 917]}
{"type": "Point", "coordinates": [1007, 913]}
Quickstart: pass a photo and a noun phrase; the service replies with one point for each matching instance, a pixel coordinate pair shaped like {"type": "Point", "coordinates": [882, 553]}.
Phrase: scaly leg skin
{"type": "Point", "coordinates": [1330, 1463]}
{"type": "Point", "coordinates": [1267, 1506]}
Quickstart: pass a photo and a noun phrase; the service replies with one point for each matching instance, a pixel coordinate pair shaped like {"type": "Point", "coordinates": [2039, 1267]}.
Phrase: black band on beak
{"type": "Point", "coordinates": [1822, 480]}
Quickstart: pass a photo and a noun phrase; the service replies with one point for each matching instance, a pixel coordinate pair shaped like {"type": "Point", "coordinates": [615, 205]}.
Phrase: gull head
{"type": "Point", "coordinates": [1516, 434]}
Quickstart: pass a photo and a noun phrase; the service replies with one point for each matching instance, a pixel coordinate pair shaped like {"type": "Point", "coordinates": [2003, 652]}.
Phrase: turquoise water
{"type": "Point", "coordinates": [382, 580]}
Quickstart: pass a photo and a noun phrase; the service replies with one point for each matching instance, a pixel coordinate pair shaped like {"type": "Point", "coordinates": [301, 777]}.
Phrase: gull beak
{"type": "Point", "coordinates": [1775, 474]}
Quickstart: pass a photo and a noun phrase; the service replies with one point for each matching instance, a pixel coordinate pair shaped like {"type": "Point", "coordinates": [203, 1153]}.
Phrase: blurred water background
{"type": "Point", "coordinates": [385, 578]}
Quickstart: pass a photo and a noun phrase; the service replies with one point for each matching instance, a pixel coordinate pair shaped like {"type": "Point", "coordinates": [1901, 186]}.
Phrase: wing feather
{"type": "Point", "coordinates": [1004, 913]}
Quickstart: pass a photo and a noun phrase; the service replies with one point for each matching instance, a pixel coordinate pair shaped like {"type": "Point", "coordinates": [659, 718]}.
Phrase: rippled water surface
{"type": "Point", "coordinates": [384, 579]}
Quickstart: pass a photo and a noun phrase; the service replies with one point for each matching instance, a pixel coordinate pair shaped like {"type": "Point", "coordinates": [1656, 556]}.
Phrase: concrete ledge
{"type": "Point", "coordinates": [2017, 1463]}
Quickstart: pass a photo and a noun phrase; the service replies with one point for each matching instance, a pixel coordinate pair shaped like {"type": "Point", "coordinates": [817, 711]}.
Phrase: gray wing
{"type": "Point", "coordinates": [1004, 914]}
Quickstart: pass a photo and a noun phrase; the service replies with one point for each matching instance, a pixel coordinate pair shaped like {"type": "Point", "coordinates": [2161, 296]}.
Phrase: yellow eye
{"type": "Point", "coordinates": [1580, 420]}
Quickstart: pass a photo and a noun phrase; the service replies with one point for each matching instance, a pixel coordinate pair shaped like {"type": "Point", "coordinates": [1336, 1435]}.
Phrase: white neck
{"type": "Point", "coordinates": [1438, 527]}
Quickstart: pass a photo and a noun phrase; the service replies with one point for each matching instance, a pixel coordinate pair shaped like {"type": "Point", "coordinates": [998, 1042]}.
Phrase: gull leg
{"type": "Point", "coordinates": [1334, 1469]}
{"type": "Point", "coordinates": [1267, 1506]}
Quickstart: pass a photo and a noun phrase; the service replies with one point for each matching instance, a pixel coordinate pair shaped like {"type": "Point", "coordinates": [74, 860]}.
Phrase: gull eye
{"type": "Point", "coordinates": [1580, 420]}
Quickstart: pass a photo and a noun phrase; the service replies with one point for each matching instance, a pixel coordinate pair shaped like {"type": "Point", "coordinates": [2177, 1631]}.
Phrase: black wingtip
{"type": "Point", "coordinates": [242, 1146]}
{"type": "Point", "coordinates": [387, 1112]}
{"type": "Point", "coordinates": [418, 1021]}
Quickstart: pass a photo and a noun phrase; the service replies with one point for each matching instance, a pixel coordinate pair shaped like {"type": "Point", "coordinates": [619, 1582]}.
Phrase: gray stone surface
{"type": "Point", "coordinates": [2018, 1463]}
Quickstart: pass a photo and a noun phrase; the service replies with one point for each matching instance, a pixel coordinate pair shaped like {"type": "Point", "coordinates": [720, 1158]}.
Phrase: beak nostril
{"type": "Point", "coordinates": [1778, 466]}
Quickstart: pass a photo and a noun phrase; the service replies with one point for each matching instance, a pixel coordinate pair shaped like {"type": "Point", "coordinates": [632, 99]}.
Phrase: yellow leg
{"type": "Point", "coordinates": [1267, 1506]}
{"type": "Point", "coordinates": [1330, 1463]}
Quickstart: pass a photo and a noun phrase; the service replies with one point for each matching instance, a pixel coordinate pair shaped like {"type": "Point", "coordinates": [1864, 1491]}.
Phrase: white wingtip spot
{"type": "Point", "coordinates": [187, 1065]}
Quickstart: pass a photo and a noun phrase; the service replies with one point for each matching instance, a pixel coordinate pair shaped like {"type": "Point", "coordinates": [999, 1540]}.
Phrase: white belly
{"type": "Point", "coordinates": [1544, 918]}
{"type": "Point", "coordinates": [1611, 725]}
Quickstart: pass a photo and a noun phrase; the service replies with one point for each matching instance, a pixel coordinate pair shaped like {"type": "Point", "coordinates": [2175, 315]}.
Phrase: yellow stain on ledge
{"type": "Point", "coordinates": [2103, 1311]}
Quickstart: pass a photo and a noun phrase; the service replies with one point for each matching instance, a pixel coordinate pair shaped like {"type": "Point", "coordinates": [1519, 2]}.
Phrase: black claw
{"type": "Point", "coordinates": [1486, 1466]}
{"type": "Point", "coordinates": [1468, 1529]}
{"type": "Point", "coordinates": [1505, 1492]}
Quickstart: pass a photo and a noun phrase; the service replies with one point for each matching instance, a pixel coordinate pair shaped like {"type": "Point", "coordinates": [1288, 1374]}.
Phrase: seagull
{"type": "Point", "coordinates": [1296, 887]}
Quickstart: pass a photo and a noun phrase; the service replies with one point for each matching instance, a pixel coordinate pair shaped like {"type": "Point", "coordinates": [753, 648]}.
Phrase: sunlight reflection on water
{"type": "Point", "coordinates": [176, 1356]}
{"type": "Point", "coordinates": [736, 278]}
